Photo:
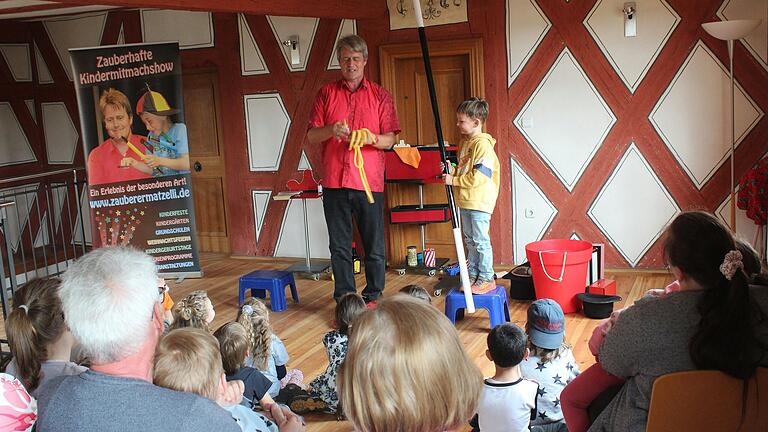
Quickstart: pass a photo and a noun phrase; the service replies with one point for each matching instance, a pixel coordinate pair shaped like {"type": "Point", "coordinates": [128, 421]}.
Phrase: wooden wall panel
{"type": "Point", "coordinates": [487, 22]}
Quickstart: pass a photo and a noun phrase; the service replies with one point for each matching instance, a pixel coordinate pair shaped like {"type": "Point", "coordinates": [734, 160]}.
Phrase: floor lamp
{"type": "Point", "coordinates": [730, 31]}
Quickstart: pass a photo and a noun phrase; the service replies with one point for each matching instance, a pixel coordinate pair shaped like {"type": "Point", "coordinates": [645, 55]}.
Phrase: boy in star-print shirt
{"type": "Point", "coordinates": [551, 362]}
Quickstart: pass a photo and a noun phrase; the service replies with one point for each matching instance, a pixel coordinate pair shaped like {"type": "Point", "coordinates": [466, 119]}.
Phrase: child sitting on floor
{"type": "Point", "coordinates": [406, 370]}
{"type": "Point", "coordinates": [188, 360]}
{"type": "Point", "coordinates": [323, 387]}
{"type": "Point", "coordinates": [40, 341]}
{"type": "Point", "coordinates": [579, 394]}
{"type": "Point", "coordinates": [194, 310]}
{"type": "Point", "coordinates": [166, 301]}
{"type": "Point", "coordinates": [417, 291]}
{"type": "Point", "coordinates": [508, 402]}
{"type": "Point", "coordinates": [551, 362]}
{"type": "Point", "coordinates": [233, 345]}
{"type": "Point", "coordinates": [268, 353]}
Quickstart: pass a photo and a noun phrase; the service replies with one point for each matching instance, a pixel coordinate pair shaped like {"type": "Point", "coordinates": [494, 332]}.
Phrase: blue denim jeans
{"type": "Point", "coordinates": [476, 227]}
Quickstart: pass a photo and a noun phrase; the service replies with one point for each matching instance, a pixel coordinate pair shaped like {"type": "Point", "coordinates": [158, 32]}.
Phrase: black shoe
{"type": "Point", "coordinates": [303, 404]}
{"type": "Point", "coordinates": [288, 392]}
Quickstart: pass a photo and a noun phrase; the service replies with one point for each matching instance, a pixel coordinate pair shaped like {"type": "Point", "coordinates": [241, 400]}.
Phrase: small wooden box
{"type": "Point", "coordinates": [603, 286]}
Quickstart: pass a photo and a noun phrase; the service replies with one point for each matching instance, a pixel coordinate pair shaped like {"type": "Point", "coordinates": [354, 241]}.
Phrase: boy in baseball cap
{"type": "Point", "coordinates": [551, 362]}
{"type": "Point", "coordinates": [168, 140]}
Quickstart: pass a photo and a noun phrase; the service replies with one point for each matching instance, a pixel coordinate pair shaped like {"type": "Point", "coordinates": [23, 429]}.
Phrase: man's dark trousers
{"type": "Point", "coordinates": [340, 206]}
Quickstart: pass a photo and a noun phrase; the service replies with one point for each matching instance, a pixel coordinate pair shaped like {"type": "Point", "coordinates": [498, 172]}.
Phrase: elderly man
{"type": "Point", "coordinates": [111, 304]}
{"type": "Point", "coordinates": [341, 107]}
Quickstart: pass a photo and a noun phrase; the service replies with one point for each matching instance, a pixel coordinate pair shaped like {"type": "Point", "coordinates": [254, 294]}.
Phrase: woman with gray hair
{"type": "Point", "coordinates": [111, 304]}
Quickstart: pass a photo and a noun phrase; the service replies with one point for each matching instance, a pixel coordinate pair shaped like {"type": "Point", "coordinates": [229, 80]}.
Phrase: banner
{"type": "Point", "coordinates": [434, 12]}
{"type": "Point", "coordinates": [135, 143]}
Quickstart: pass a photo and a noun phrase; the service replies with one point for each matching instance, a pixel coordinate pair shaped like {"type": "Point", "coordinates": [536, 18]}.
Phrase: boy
{"type": "Point", "coordinates": [477, 181]}
{"type": "Point", "coordinates": [550, 361]}
{"type": "Point", "coordinates": [233, 345]}
{"type": "Point", "coordinates": [188, 360]}
{"type": "Point", "coordinates": [167, 141]}
{"type": "Point", "coordinates": [508, 401]}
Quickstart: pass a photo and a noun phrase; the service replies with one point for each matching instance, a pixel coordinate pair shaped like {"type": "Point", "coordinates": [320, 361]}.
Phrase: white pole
{"type": "Point", "coordinates": [449, 190]}
{"type": "Point", "coordinates": [733, 138]}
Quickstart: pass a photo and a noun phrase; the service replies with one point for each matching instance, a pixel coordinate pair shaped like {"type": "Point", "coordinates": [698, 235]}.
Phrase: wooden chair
{"type": "Point", "coordinates": [708, 401]}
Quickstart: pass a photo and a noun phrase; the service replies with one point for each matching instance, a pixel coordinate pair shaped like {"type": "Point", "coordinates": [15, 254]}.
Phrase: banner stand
{"type": "Point", "coordinates": [135, 143]}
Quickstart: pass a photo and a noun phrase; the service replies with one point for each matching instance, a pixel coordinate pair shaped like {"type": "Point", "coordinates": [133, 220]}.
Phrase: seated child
{"type": "Point", "coordinates": [323, 387]}
{"type": "Point", "coordinates": [417, 291]}
{"type": "Point", "coordinates": [268, 353]}
{"type": "Point", "coordinates": [579, 394]}
{"type": "Point", "coordinates": [188, 360]}
{"type": "Point", "coordinates": [406, 370]}
{"type": "Point", "coordinates": [551, 362]}
{"type": "Point", "coordinates": [508, 402]}
{"type": "Point", "coordinates": [167, 302]}
{"type": "Point", "coordinates": [18, 410]}
{"type": "Point", "coordinates": [40, 341]}
{"type": "Point", "coordinates": [233, 345]}
{"type": "Point", "coordinates": [194, 310]}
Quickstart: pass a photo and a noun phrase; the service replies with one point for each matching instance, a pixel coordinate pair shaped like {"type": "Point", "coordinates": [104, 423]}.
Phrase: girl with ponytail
{"type": "Point", "coordinates": [715, 321]}
{"type": "Point", "coordinates": [40, 341]}
{"type": "Point", "coordinates": [194, 310]}
{"type": "Point", "coordinates": [267, 351]}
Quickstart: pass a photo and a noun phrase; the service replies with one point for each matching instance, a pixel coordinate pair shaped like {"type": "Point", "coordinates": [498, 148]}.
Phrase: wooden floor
{"type": "Point", "coordinates": [303, 325]}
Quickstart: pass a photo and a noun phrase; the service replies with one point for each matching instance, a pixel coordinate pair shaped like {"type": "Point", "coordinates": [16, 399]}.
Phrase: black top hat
{"type": "Point", "coordinates": [598, 305]}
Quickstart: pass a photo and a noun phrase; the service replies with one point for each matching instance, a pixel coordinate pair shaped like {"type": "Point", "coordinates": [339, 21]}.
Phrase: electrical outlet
{"type": "Point", "coordinates": [529, 213]}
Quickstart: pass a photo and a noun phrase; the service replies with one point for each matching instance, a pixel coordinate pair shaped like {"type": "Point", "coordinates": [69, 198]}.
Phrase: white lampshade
{"type": "Point", "coordinates": [731, 29]}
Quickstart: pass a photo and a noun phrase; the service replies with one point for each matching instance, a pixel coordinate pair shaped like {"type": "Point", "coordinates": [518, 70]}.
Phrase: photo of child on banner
{"type": "Point", "coordinates": [136, 146]}
{"type": "Point", "coordinates": [167, 149]}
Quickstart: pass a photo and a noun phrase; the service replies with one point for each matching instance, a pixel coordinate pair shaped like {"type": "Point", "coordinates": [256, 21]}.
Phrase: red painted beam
{"type": "Point", "coordinates": [320, 9]}
{"type": "Point", "coordinates": [33, 8]}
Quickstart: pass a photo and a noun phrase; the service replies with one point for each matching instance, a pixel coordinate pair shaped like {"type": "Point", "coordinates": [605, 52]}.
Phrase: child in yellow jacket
{"type": "Point", "coordinates": [477, 182]}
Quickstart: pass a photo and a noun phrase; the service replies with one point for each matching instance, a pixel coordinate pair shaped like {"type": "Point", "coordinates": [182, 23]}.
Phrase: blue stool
{"type": "Point", "coordinates": [495, 302]}
{"type": "Point", "coordinates": [274, 281]}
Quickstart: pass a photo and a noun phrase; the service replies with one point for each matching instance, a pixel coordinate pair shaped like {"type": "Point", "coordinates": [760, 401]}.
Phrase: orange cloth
{"type": "Point", "coordinates": [409, 155]}
{"type": "Point", "coordinates": [167, 301]}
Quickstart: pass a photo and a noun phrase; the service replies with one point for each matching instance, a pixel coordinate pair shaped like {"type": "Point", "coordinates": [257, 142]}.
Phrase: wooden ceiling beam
{"type": "Point", "coordinates": [31, 8]}
{"type": "Point", "coordinates": [306, 8]}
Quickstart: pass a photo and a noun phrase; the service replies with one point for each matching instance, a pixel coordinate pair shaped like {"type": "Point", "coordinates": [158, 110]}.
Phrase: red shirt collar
{"type": "Point", "coordinates": [363, 84]}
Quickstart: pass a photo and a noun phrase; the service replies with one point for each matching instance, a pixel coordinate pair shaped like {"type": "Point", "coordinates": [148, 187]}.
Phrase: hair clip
{"type": "Point", "coordinates": [247, 310]}
{"type": "Point", "coordinates": [731, 263]}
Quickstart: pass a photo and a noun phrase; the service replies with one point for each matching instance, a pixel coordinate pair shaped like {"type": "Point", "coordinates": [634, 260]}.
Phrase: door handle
{"type": "Point", "coordinates": [197, 166]}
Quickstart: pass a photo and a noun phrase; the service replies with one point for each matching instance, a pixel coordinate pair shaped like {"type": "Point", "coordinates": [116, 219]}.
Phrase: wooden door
{"type": "Point", "coordinates": [206, 155]}
{"type": "Point", "coordinates": [457, 71]}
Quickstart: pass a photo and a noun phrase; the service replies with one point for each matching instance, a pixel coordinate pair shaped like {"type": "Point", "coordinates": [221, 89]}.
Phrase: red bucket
{"type": "Point", "coordinates": [559, 270]}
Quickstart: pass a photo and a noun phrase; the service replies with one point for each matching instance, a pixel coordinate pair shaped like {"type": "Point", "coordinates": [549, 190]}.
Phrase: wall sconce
{"type": "Point", "coordinates": [630, 19]}
{"type": "Point", "coordinates": [293, 49]}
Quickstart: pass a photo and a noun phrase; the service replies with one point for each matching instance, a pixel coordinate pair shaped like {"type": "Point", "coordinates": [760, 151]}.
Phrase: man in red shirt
{"type": "Point", "coordinates": [341, 107]}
